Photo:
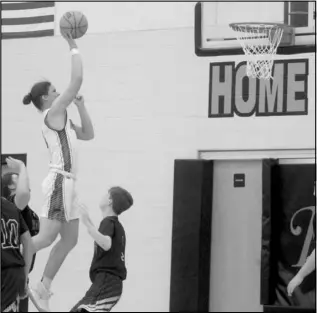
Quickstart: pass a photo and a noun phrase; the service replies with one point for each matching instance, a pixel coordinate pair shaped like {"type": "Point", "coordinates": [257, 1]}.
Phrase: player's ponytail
{"type": "Point", "coordinates": [27, 99]}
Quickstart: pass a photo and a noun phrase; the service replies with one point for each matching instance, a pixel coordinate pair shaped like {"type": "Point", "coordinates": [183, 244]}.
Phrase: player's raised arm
{"type": "Point", "coordinates": [66, 98]}
{"type": "Point", "coordinates": [86, 131]}
{"type": "Point", "coordinates": [22, 193]}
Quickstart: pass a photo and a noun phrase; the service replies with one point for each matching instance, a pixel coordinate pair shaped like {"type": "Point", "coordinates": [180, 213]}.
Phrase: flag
{"type": "Point", "coordinates": [27, 19]}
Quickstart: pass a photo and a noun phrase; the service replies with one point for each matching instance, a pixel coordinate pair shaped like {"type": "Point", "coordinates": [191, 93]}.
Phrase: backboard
{"type": "Point", "coordinates": [213, 36]}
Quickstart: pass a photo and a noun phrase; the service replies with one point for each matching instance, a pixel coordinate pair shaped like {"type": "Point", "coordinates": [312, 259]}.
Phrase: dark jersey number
{"type": "Point", "coordinates": [9, 234]}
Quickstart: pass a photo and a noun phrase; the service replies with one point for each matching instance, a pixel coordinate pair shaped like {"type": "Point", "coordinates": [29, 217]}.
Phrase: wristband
{"type": "Point", "coordinates": [74, 51]}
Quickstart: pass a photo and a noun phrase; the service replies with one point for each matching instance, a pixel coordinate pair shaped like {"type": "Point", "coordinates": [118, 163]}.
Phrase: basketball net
{"type": "Point", "coordinates": [259, 43]}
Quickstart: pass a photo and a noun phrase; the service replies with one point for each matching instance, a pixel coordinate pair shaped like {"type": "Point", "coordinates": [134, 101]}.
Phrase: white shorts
{"type": "Point", "coordinates": [60, 197]}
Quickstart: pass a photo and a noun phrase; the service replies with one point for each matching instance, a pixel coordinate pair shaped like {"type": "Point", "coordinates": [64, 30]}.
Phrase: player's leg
{"type": "Point", "coordinates": [50, 224]}
{"type": "Point", "coordinates": [54, 188]}
{"type": "Point", "coordinates": [49, 229]}
{"type": "Point", "coordinates": [58, 190]}
{"type": "Point", "coordinates": [69, 238]}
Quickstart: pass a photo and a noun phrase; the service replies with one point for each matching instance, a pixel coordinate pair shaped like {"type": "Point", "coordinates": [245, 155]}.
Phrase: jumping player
{"type": "Point", "coordinates": [15, 266]}
{"type": "Point", "coordinates": [16, 189]}
{"type": "Point", "coordinates": [108, 270]}
{"type": "Point", "coordinates": [60, 214]}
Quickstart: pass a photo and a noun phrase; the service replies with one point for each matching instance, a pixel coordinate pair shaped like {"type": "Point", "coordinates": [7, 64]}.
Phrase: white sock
{"type": "Point", "coordinates": [47, 282]}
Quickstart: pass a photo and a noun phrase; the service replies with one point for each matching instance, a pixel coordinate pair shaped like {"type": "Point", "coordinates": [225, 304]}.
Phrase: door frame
{"type": "Point", "coordinates": [283, 155]}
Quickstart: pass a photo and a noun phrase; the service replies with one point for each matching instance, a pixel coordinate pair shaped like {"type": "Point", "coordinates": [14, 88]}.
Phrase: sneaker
{"type": "Point", "coordinates": [40, 297]}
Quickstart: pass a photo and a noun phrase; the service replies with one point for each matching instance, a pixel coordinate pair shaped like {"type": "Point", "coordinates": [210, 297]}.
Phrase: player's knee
{"type": "Point", "coordinates": [48, 241]}
{"type": "Point", "coordinates": [43, 241]}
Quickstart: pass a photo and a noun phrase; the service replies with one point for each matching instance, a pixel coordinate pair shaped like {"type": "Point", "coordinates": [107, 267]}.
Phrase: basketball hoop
{"type": "Point", "coordinates": [259, 42]}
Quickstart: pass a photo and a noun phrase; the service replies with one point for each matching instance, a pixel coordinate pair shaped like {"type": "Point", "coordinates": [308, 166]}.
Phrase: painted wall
{"type": "Point", "coordinates": [129, 16]}
{"type": "Point", "coordinates": [147, 94]}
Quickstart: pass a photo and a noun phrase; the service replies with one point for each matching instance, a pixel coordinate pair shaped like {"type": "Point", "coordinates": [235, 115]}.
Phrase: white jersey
{"type": "Point", "coordinates": [62, 146]}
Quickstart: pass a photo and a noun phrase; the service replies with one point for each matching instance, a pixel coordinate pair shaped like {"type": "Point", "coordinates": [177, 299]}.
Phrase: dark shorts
{"type": "Point", "coordinates": [102, 296]}
{"type": "Point", "coordinates": [24, 305]}
{"type": "Point", "coordinates": [13, 307]}
{"type": "Point", "coordinates": [12, 285]}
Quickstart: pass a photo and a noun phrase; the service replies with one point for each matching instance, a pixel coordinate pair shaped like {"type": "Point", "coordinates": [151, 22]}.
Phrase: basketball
{"type": "Point", "coordinates": [76, 22]}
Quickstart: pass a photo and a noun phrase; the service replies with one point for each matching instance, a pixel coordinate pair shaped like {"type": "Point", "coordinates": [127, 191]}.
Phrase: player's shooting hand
{"type": "Point", "coordinates": [14, 164]}
{"type": "Point", "coordinates": [79, 101]}
{"type": "Point", "coordinates": [68, 37]}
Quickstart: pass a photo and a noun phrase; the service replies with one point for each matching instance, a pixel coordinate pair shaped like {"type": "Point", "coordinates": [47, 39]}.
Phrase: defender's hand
{"type": "Point", "coordinates": [14, 164]}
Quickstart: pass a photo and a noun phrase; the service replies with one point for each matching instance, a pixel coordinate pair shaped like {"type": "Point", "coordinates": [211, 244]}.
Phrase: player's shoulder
{"type": "Point", "coordinates": [111, 221]}
{"type": "Point", "coordinates": [6, 203]}
{"type": "Point", "coordinates": [44, 120]}
{"type": "Point", "coordinates": [45, 112]}
{"type": "Point", "coordinates": [106, 220]}
{"type": "Point", "coordinates": [27, 212]}
{"type": "Point", "coordinates": [11, 198]}
{"type": "Point", "coordinates": [103, 222]}
{"type": "Point", "coordinates": [117, 224]}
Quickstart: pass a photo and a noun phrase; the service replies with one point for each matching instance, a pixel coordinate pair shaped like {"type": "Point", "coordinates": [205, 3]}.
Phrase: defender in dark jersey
{"type": "Point", "coordinates": [16, 189]}
{"type": "Point", "coordinates": [14, 266]}
{"type": "Point", "coordinates": [108, 270]}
